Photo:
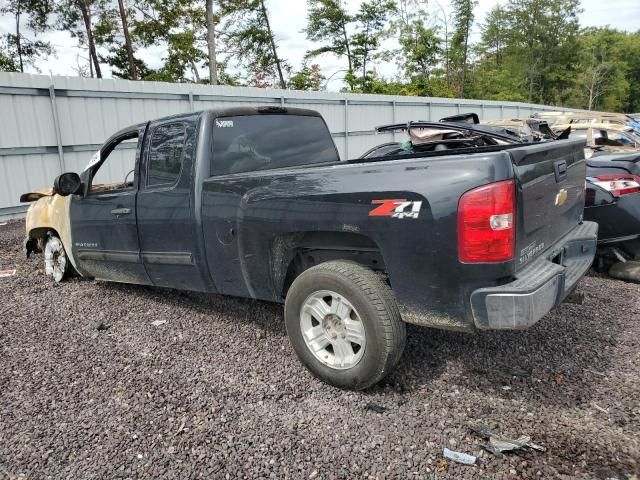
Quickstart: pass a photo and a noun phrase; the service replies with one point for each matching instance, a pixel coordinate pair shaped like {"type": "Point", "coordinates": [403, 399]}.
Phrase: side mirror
{"type": "Point", "coordinates": [67, 184]}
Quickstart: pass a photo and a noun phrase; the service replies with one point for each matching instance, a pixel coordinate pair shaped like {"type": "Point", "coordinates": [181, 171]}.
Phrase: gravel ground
{"type": "Point", "coordinates": [89, 388]}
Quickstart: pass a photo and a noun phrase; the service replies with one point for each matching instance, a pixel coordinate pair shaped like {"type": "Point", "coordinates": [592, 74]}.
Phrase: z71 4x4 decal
{"type": "Point", "coordinates": [397, 208]}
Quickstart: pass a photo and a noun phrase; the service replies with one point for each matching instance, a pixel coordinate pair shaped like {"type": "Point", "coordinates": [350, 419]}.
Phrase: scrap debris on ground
{"type": "Point", "coordinates": [90, 388]}
{"type": "Point", "coordinates": [7, 273]}
{"type": "Point", "coordinates": [499, 443]}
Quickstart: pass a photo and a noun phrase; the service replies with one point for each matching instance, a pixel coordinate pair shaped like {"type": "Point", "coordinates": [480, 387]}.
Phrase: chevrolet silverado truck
{"type": "Point", "coordinates": [465, 232]}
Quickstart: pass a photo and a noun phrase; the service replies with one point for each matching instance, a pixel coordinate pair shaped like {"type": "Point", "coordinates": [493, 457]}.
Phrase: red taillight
{"type": "Point", "coordinates": [618, 185]}
{"type": "Point", "coordinates": [486, 223]}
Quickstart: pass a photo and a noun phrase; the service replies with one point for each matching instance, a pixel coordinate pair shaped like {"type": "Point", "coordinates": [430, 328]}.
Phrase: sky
{"type": "Point", "coordinates": [288, 19]}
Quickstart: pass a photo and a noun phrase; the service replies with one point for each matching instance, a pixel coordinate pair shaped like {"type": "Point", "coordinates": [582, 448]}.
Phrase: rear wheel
{"type": "Point", "coordinates": [56, 262]}
{"type": "Point", "coordinates": [344, 324]}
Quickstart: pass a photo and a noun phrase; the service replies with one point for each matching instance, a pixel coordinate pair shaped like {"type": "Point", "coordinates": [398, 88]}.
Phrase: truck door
{"type": "Point", "coordinates": [103, 221]}
{"type": "Point", "coordinates": [165, 210]}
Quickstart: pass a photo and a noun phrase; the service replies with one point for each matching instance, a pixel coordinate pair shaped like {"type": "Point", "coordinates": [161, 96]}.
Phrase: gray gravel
{"type": "Point", "coordinates": [91, 388]}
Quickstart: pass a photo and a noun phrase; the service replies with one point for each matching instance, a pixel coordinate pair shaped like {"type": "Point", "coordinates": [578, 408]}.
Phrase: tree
{"type": "Point", "coordinates": [7, 64]}
{"type": "Point", "coordinates": [463, 21]}
{"type": "Point", "coordinates": [327, 23]}
{"type": "Point", "coordinates": [494, 34]}
{"type": "Point", "coordinates": [249, 37]}
{"type": "Point", "coordinates": [543, 38]}
{"type": "Point", "coordinates": [83, 19]}
{"type": "Point", "coordinates": [308, 78]}
{"type": "Point", "coordinates": [629, 55]}
{"type": "Point", "coordinates": [180, 26]}
{"type": "Point", "coordinates": [22, 50]}
{"type": "Point", "coordinates": [211, 43]}
{"type": "Point", "coordinates": [420, 49]}
{"type": "Point", "coordinates": [370, 23]}
{"type": "Point", "coordinates": [601, 83]}
{"type": "Point", "coordinates": [118, 59]}
{"type": "Point", "coordinates": [127, 41]}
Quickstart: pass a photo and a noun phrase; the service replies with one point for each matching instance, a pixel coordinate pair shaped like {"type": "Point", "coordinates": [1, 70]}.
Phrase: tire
{"type": "Point", "coordinates": [364, 335]}
{"type": "Point", "coordinates": [56, 260]}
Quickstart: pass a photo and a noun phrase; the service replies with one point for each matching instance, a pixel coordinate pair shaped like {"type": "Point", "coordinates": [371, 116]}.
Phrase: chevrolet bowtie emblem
{"type": "Point", "coordinates": [561, 197]}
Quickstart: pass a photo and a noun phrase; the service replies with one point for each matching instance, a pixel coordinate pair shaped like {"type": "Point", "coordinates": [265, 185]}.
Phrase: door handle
{"type": "Point", "coordinates": [120, 211]}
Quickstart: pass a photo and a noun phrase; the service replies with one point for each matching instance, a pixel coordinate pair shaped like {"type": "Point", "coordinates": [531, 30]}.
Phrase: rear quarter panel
{"type": "Point", "coordinates": [246, 217]}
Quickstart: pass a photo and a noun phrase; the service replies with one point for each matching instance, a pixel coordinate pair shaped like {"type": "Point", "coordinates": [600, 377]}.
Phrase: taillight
{"type": "Point", "coordinates": [618, 185]}
{"type": "Point", "coordinates": [486, 223]}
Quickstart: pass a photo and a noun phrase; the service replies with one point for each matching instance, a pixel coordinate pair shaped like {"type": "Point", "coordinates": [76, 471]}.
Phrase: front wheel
{"type": "Point", "coordinates": [344, 324]}
{"type": "Point", "coordinates": [56, 262]}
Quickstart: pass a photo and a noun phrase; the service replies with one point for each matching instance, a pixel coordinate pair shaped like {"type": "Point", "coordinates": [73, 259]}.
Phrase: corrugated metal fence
{"type": "Point", "coordinates": [53, 124]}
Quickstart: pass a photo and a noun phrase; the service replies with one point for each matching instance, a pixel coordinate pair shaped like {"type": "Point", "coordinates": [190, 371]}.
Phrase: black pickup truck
{"type": "Point", "coordinates": [474, 233]}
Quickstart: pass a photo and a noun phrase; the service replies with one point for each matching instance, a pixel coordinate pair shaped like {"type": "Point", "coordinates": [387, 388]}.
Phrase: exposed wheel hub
{"type": "Point", "coordinates": [55, 259]}
{"type": "Point", "coordinates": [333, 327]}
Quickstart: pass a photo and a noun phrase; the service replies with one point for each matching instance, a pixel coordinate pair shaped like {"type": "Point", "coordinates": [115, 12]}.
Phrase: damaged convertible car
{"type": "Point", "coordinates": [460, 228]}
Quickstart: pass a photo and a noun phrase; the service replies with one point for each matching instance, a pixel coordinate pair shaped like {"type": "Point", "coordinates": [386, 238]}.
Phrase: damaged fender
{"type": "Point", "coordinates": [48, 212]}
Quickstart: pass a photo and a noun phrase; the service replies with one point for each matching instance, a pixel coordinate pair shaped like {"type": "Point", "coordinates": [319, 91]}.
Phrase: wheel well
{"type": "Point", "coordinates": [306, 250]}
{"type": "Point", "coordinates": [38, 237]}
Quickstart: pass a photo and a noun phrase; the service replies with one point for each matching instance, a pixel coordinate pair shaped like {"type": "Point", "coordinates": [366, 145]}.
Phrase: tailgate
{"type": "Point", "coordinates": [550, 199]}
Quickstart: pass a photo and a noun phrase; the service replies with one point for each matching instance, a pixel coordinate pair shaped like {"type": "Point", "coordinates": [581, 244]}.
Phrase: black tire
{"type": "Point", "coordinates": [374, 301]}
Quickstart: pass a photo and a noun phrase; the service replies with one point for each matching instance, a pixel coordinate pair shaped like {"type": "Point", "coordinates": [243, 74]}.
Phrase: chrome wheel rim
{"type": "Point", "coordinates": [332, 329]}
{"type": "Point", "coordinates": [55, 259]}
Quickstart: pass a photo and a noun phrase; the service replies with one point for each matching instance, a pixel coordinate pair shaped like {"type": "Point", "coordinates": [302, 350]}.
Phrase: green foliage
{"type": "Point", "coordinates": [327, 23]}
{"type": "Point", "coordinates": [355, 37]}
{"type": "Point", "coordinates": [459, 50]}
{"type": "Point", "coordinates": [180, 25]}
{"type": "Point", "coordinates": [601, 83]}
{"type": "Point", "coordinates": [370, 29]}
{"type": "Point", "coordinates": [118, 60]}
{"type": "Point", "coordinates": [7, 63]}
{"type": "Point", "coordinates": [20, 50]}
{"type": "Point", "coordinates": [629, 55]}
{"type": "Point", "coordinates": [308, 78]}
{"type": "Point", "coordinates": [495, 34]}
{"type": "Point", "coordinates": [251, 41]}
{"type": "Point", "coordinates": [529, 50]}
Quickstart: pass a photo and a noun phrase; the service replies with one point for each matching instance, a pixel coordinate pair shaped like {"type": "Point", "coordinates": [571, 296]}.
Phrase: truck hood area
{"type": "Point", "coordinates": [36, 195]}
{"type": "Point", "coordinates": [48, 192]}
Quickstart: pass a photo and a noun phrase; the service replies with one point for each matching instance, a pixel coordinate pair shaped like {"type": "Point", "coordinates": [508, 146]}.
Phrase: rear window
{"type": "Point", "coordinates": [261, 142]}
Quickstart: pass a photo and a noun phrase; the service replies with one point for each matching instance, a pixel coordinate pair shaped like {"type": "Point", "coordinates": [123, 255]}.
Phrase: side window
{"type": "Point", "coordinates": [166, 154]}
{"type": "Point", "coordinates": [117, 169]}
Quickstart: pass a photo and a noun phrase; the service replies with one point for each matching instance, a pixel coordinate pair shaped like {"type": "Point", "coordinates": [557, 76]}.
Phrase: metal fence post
{"type": "Point", "coordinates": [282, 101]}
{"type": "Point", "coordinates": [429, 110]}
{"type": "Point", "coordinates": [56, 126]}
{"type": "Point", "coordinates": [482, 111]}
{"type": "Point", "coordinates": [191, 107]}
{"type": "Point", "coordinates": [393, 116]}
{"type": "Point", "coordinates": [346, 129]}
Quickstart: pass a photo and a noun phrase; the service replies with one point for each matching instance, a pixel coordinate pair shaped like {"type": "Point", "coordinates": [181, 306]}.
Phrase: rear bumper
{"type": "Point", "coordinates": [538, 287]}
